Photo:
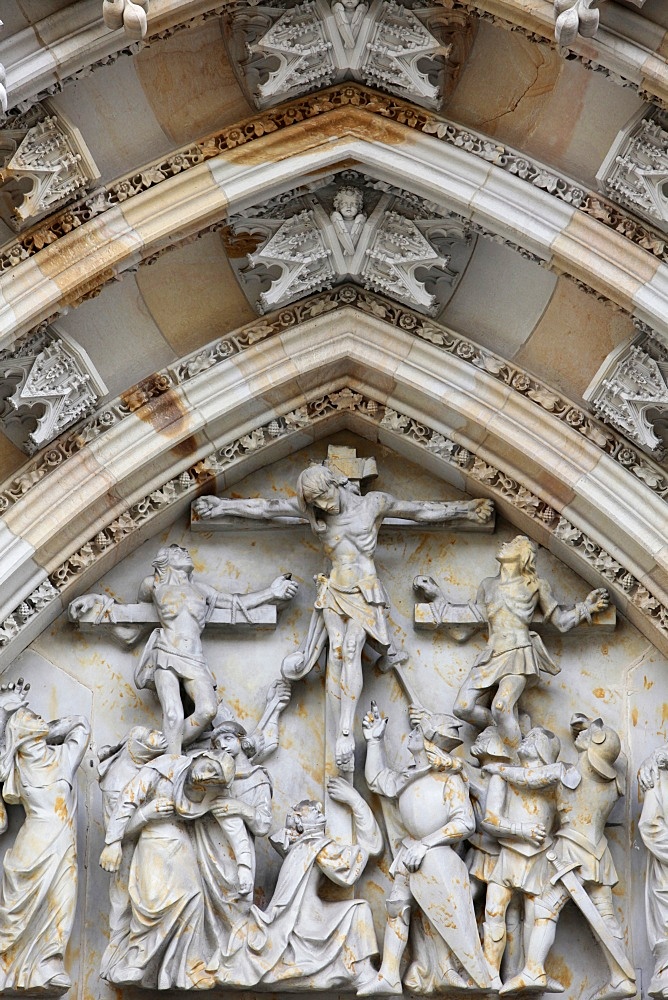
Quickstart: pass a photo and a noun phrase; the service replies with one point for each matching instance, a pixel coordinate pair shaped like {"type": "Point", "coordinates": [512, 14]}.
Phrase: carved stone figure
{"type": "Point", "coordinates": [514, 655]}
{"type": "Point", "coordinates": [433, 815]}
{"type": "Point", "coordinates": [522, 820]}
{"type": "Point", "coordinates": [216, 836]}
{"type": "Point", "coordinates": [484, 848]}
{"type": "Point", "coordinates": [653, 828]}
{"type": "Point", "coordinates": [38, 889]}
{"type": "Point", "coordinates": [583, 867]}
{"type": "Point", "coordinates": [349, 15]}
{"type": "Point", "coordinates": [127, 14]}
{"type": "Point", "coordinates": [173, 658]}
{"type": "Point", "coordinates": [166, 945]}
{"type": "Point", "coordinates": [301, 941]}
{"type": "Point", "coordinates": [118, 766]}
{"type": "Point", "coordinates": [348, 217]}
{"type": "Point", "coordinates": [351, 606]}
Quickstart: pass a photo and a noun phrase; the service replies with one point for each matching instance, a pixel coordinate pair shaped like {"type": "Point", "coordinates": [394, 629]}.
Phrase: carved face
{"type": "Point", "coordinates": [180, 558]}
{"type": "Point", "coordinates": [416, 740]}
{"type": "Point", "coordinates": [518, 549]}
{"type": "Point", "coordinates": [228, 741]}
{"type": "Point", "coordinates": [528, 751]}
{"type": "Point", "coordinates": [348, 206]}
{"type": "Point", "coordinates": [329, 500]}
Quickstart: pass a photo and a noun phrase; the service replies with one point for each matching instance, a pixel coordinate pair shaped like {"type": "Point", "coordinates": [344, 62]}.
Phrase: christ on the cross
{"type": "Point", "coordinates": [173, 657]}
{"type": "Point", "coordinates": [351, 602]}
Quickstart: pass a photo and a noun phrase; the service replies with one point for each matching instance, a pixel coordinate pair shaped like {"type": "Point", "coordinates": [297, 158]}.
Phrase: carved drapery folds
{"type": "Point", "coordinates": [130, 15]}
{"type": "Point", "coordinates": [44, 163]}
{"type": "Point", "coordinates": [384, 238]}
{"type": "Point", "coordinates": [578, 17]}
{"type": "Point", "coordinates": [412, 50]}
{"type": "Point", "coordinates": [635, 171]}
{"type": "Point", "coordinates": [630, 391]}
{"type": "Point", "coordinates": [47, 384]}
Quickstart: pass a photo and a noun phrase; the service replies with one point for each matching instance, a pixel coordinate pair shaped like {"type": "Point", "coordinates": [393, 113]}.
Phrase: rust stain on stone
{"type": "Point", "coordinates": [239, 246]}
{"type": "Point", "coordinates": [157, 404]}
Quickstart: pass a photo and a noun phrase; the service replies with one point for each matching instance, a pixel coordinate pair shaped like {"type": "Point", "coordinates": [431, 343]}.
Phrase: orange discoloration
{"type": "Point", "coordinates": [60, 808]}
{"type": "Point", "coordinates": [647, 683]}
{"type": "Point", "coordinates": [557, 968]}
{"type": "Point", "coordinates": [634, 716]}
{"type": "Point", "coordinates": [332, 125]}
{"type": "Point", "coordinates": [664, 711]}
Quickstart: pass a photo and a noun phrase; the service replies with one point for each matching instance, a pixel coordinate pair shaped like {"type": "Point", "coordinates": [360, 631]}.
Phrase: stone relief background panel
{"type": "Point", "coordinates": [614, 675]}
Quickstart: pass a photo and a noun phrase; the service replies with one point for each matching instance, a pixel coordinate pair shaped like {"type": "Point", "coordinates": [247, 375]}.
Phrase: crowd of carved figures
{"type": "Point", "coordinates": [486, 848]}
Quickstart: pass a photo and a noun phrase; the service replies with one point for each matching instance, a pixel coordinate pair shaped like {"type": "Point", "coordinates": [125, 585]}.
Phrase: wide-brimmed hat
{"type": "Point", "coordinates": [442, 730]}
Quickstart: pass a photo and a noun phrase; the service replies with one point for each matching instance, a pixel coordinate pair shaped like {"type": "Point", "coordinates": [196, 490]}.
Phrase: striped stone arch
{"type": "Point", "coordinates": [353, 361]}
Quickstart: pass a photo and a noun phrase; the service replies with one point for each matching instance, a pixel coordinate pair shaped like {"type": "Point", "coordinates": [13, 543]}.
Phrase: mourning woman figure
{"type": "Point", "coordinates": [38, 889]}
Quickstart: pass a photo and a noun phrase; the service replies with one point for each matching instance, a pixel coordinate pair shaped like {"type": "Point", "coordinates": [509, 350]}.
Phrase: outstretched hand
{"type": "Point", "coordinates": [283, 588]}
{"type": "Point", "coordinates": [597, 600]}
{"type": "Point", "coordinates": [341, 790]}
{"type": "Point", "coordinates": [374, 724]}
{"type": "Point", "coordinates": [13, 696]}
{"type": "Point", "coordinates": [481, 511]}
{"type": "Point", "coordinates": [208, 507]}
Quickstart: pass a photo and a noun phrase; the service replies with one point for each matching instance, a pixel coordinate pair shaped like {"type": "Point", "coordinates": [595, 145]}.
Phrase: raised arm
{"type": "Point", "coordinates": [545, 776]}
{"type": "Point", "coordinates": [367, 831]}
{"type": "Point", "coordinates": [565, 617]}
{"type": "Point", "coordinates": [435, 512]}
{"type": "Point", "coordinates": [380, 778]}
{"type": "Point", "coordinates": [256, 510]}
{"type": "Point", "coordinates": [73, 733]}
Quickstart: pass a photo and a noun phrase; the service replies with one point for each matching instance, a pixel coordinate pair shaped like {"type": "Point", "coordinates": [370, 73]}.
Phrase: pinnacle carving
{"type": "Point", "coordinates": [635, 171]}
{"type": "Point", "coordinates": [48, 384]}
{"type": "Point", "coordinates": [384, 238]}
{"type": "Point", "coordinates": [287, 51]}
{"type": "Point", "coordinates": [630, 391]}
{"type": "Point", "coordinates": [44, 163]}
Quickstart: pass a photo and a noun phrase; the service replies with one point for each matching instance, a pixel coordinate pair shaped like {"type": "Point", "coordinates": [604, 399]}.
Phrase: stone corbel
{"type": "Point", "coordinates": [130, 15]}
{"type": "Point", "coordinates": [578, 17]}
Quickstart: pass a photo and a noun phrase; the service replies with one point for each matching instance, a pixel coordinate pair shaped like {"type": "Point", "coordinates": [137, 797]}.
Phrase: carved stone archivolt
{"type": "Point", "coordinates": [412, 50]}
{"type": "Point", "coordinates": [47, 384]}
{"type": "Point", "coordinates": [385, 238]}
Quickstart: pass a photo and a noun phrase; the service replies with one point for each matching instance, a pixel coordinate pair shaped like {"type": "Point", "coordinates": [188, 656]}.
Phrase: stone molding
{"type": "Point", "coordinates": [343, 297]}
{"type": "Point", "coordinates": [490, 432]}
{"type": "Point", "coordinates": [356, 101]}
{"type": "Point", "coordinates": [41, 71]}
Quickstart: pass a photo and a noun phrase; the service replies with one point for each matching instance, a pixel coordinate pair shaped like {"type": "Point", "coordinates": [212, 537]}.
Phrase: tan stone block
{"type": "Point", "coordinates": [190, 83]}
{"type": "Point", "coordinates": [554, 351]}
{"type": "Point", "coordinates": [193, 295]}
{"type": "Point", "coordinates": [11, 458]}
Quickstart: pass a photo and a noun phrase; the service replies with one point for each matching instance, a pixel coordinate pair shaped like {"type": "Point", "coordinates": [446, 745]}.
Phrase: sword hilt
{"type": "Point", "coordinates": [562, 869]}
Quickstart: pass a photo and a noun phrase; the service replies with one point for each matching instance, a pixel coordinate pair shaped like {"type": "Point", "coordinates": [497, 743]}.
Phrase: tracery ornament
{"type": "Point", "coordinates": [44, 163]}
{"type": "Point", "coordinates": [350, 227]}
{"type": "Point", "coordinates": [630, 391]}
{"type": "Point", "coordinates": [412, 50]}
{"type": "Point", "coordinates": [47, 384]}
{"type": "Point", "coordinates": [635, 171]}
